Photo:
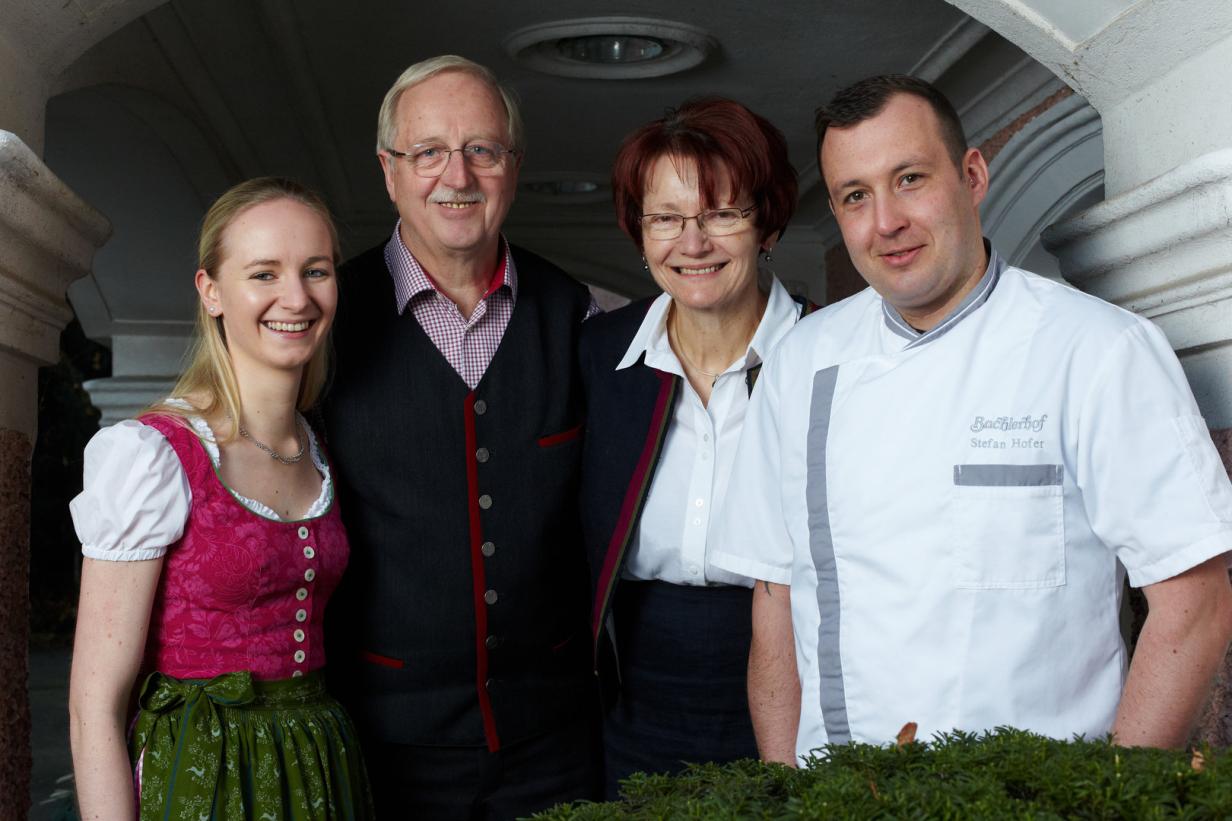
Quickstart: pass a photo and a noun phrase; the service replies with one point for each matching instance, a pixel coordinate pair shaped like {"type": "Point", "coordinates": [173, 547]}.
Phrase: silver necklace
{"type": "Point", "coordinates": [286, 460]}
{"type": "Point", "coordinates": [672, 336]}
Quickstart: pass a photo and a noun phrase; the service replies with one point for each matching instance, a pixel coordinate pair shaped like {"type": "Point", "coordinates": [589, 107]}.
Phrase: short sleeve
{"type": "Point", "coordinates": [1153, 485]}
{"type": "Point", "coordinates": [136, 496]}
{"type": "Point", "coordinates": [753, 538]}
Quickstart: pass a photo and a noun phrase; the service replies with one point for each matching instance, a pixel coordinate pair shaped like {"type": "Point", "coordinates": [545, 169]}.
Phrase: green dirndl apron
{"type": "Point", "coordinates": [232, 747]}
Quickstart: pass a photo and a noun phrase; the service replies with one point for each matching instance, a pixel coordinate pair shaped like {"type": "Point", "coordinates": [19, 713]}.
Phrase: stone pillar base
{"type": "Point", "coordinates": [15, 762]}
{"type": "Point", "coordinates": [123, 397]}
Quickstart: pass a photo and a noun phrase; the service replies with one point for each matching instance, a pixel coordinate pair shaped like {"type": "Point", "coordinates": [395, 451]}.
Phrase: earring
{"type": "Point", "coordinates": [213, 309]}
{"type": "Point", "coordinates": [767, 253]}
{"type": "Point", "coordinates": [645, 264]}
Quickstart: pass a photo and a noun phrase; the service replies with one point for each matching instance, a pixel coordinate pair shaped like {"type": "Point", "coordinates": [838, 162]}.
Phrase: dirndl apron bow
{"type": "Point", "coordinates": [179, 735]}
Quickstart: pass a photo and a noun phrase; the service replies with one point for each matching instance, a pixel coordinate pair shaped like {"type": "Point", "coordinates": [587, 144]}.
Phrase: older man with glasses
{"type": "Point", "coordinates": [460, 633]}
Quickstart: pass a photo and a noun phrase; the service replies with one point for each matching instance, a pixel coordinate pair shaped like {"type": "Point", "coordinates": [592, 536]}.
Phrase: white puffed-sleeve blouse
{"type": "Point", "coordinates": [136, 499]}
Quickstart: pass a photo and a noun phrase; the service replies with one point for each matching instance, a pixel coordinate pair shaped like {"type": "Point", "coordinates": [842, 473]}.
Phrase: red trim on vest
{"type": "Point", "coordinates": [384, 661]}
{"type": "Point", "coordinates": [478, 577]}
{"type": "Point", "coordinates": [561, 438]}
{"type": "Point", "coordinates": [634, 496]}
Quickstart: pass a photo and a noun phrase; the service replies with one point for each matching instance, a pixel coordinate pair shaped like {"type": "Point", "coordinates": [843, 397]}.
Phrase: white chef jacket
{"type": "Point", "coordinates": [690, 482]}
{"type": "Point", "coordinates": [955, 511]}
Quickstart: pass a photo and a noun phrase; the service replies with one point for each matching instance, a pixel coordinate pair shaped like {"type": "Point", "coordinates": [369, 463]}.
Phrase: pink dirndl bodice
{"type": "Point", "coordinates": [240, 591]}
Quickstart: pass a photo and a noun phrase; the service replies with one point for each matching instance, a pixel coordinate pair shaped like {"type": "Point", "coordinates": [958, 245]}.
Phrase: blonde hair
{"type": "Point", "coordinates": [386, 125]}
{"type": "Point", "coordinates": [209, 383]}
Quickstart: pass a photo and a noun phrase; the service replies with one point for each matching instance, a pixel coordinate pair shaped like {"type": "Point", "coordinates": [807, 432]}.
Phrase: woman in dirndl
{"type": "Point", "coordinates": [212, 542]}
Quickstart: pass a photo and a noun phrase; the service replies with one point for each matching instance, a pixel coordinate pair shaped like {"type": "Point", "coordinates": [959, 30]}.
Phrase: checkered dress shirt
{"type": "Point", "coordinates": [467, 344]}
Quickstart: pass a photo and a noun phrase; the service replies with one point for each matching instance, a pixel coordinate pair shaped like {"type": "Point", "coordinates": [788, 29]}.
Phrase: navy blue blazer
{"type": "Point", "coordinates": [628, 412]}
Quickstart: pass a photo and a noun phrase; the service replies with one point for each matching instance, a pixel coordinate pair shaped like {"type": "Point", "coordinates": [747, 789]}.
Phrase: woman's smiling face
{"type": "Point", "coordinates": [699, 271]}
{"type": "Point", "coordinates": [275, 289]}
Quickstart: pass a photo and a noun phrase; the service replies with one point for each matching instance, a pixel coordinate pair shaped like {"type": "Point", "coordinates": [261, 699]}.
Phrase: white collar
{"type": "Point", "coordinates": [651, 338]}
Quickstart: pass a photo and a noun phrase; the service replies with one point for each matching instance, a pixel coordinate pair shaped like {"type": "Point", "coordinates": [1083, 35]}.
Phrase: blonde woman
{"type": "Point", "coordinates": [212, 544]}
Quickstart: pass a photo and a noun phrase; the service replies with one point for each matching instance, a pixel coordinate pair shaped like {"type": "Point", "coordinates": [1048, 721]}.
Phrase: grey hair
{"type": "Point", "coordinates": [387, 126]}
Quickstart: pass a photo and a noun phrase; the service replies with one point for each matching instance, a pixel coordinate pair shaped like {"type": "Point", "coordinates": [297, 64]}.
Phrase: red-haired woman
{"type": "Point", "coordinates": [703, 193]}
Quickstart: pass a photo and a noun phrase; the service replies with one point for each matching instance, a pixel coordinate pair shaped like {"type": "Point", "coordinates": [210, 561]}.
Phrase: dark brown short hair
{"type": "Point", "coordinates": [717, 135]}
{"type": "Point", "coordinates": [865, 99]}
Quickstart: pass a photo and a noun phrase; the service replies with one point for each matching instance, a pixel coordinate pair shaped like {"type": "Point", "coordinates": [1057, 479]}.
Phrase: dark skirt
{"type": "Point", "coordinates": [684, 654]}
{"type": "Point", "coordinates": [233, 747]}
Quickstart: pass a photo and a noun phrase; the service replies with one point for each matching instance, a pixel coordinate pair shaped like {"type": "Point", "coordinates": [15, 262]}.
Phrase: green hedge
{"type": "Point", "coordinates": [1003, 774]}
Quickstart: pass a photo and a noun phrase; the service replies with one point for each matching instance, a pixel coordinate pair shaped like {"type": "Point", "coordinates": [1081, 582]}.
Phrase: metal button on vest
{"type": "Point", "coordinates": [485, 501]}
{"type": "Point", "coordinates": [481, 455]}
{"type": "Point", "coordinates": [309, 552]}
{"type": "Point", "coordinates": [303, 532]}
{"type": "Point", "coordinates": [299, 634]}
{"type": "Point", "coordinates": [309, 574]}
{"type": "Point", "coordinates": [299, 656]}
{"type": "Point", "coordinates": [489, 597]}
{"type": "Point", "coordinates": [481, 407]}
{"type": "Point", "coordinates": [487, 548]}
{"type": "Point", "coordinates": [301, 615]}
{"type": "Point", "coordinates": [491, 642]}
{"type": "Point", "coordinates": [302, 593]}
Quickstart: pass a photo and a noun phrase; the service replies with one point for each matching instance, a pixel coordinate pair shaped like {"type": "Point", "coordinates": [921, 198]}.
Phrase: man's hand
{"type": "Point", "coordinates": [774, 684]}
{"type": "Point", "coordinates": [1182, 645]}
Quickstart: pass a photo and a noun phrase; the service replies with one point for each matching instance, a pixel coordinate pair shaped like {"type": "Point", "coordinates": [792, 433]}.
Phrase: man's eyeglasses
{"type": "Point", "coordinates": [430, 159]}
{"type": "Point", "coordinates": [717, 223]}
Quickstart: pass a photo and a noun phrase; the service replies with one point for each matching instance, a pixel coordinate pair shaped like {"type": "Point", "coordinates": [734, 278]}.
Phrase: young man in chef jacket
{"type": "Point", "coordinates": [949, 476]}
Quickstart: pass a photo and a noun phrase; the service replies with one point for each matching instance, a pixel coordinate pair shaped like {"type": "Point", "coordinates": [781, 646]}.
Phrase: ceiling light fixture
{"type": "Point", "coordinates": [562, 188]}
{"type": "Point", "coordinates": [548, 187]}
{"type": "Point", "coordinates": [610, 47]}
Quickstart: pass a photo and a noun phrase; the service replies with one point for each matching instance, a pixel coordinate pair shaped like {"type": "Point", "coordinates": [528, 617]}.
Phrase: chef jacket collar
{"type": "Point", "coordinates": [972, 301]}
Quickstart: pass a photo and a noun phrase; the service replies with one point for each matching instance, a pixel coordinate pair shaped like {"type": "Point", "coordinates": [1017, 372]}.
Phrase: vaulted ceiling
{"type": "Point", "coordinates": [154, 121]}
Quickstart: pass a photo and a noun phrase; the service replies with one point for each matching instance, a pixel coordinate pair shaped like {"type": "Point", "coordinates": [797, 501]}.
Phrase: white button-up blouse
{"type": "Point", "coordinates": [690, 483]}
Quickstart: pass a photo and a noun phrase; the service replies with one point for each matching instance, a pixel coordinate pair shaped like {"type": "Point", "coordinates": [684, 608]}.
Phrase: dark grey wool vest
{"type": "Point", "coordinates": [462, 618]}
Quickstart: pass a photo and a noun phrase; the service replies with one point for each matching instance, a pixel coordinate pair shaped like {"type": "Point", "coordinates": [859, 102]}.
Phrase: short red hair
{"type": "Point", "coordinates": [714, 135]}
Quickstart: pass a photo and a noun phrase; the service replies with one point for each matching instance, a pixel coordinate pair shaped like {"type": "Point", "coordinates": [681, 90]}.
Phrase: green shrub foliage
{"type": "Point", "coordinates": [1004, 774]}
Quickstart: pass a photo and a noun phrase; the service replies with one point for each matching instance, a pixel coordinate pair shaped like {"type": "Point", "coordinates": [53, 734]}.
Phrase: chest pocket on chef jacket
{"type": "Point", "coordinates": [1009, 526]}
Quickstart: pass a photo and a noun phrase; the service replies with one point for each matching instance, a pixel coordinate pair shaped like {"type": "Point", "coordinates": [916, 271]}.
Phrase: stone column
{"type": "Point", "coordinates": [47, 239]}
{"type": "Point", "coordinates": [1164, 250]}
